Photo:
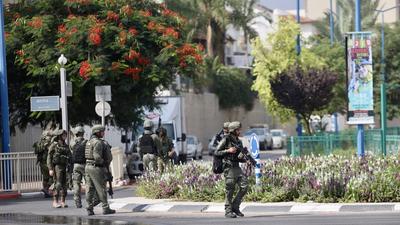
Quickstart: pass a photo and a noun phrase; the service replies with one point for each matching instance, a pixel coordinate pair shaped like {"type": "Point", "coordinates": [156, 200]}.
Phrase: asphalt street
{"type": "Point", "coordinates": [39, 211]}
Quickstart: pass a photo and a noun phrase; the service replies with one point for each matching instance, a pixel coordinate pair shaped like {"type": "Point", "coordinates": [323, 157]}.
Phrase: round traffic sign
{"type": "Point", "coordinates": [103, 108]}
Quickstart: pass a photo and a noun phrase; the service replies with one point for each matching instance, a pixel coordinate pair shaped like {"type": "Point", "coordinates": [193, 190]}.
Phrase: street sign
{"type": "Point", "coordinates": [45, 103]}
{"type": "Point", "coordinates": [103, 93]}
{"type": "Point", "coordinates": [255, 152]}
{"type": "Point", "coordinates": [69, 88]}
{"type": "Point", "coordinates": [103, 109]}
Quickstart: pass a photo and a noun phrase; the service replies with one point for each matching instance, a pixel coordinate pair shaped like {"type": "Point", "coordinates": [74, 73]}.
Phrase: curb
{"type": "Point", "coordinates": [138, 205]}
{"type": "Point", "coordinates": [9, 195]}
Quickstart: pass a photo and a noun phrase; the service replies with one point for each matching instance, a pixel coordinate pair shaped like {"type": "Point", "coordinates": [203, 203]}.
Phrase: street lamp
{"type": "Point", "coordinates": [383, 80]}
{"type": "Point", "coordinates": [64, 112]}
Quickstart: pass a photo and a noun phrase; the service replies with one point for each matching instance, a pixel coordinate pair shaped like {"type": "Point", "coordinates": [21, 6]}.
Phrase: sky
{"type": "Point", "coordinates": [281, 4]}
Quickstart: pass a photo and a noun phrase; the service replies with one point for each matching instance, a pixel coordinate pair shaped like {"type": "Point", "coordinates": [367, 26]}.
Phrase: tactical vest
{"type": "Point", "coordinates": [89, 148]}
{"type": "Point", "coordinates": [228, 144]}
{"type": "Point", "coordinates": [60, 155]}
{"type": "Point", "coordinates": [78, 151]}
{"type": "Point", "coordinates": [147, 145]}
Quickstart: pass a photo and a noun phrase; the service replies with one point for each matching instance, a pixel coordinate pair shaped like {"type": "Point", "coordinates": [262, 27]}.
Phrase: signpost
{"type": "Point", "coordinates": [255, 151]}
{"type": "Point", "coordinates": [103, 94]}
{"type": "Point", "coordinates": [45, 103]}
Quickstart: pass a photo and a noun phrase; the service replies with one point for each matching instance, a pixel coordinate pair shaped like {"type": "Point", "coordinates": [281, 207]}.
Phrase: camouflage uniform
{"type": "Point", "coordinates": [59, 157]}
{"type": "Point", "coordinates": [41, 150]}
{"type": "Point", "coordinates": [165, 151]}
{"type": "Point", "coordinates": [232, 172]}
{"type": "Point", "coordinates": [148, 149]}
{"type": "Point", "coordinates": [98, 156]}
{"type": "Point", "coordinates": [79, 160]}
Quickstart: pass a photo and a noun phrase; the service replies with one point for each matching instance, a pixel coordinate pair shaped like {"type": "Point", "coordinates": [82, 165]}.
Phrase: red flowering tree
{"type": "Point", "coordinates": [133, 45]}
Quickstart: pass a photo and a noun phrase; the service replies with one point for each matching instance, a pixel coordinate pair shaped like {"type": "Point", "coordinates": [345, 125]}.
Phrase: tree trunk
{"type": "Point", "coordinates": [306, 119]}
{"type": "Point", "coordinates": [218, 41]}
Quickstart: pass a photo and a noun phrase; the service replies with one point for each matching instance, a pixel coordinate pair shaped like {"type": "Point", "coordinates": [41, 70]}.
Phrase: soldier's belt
{"type": "Point", "coordinates": [92, 163]}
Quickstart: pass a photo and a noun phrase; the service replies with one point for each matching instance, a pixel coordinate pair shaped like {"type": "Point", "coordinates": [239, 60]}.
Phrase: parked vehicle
{"type": "Point", "coordinates": [194, 147]}
{"type": "Point", "coordinates": [278, 138]}
{"type": "Point", "coordinates": [263, 135]}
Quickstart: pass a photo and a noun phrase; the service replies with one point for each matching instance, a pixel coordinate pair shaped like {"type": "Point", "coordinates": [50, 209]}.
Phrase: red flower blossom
{"type": "Point", "coordinates": [96, 29]}
{"type": "Point", "coordinates": [143, 61]}
{"type": "Point", "coordinates": [95, 38]}
{"type": "Point", "coordinates": [200, 47]}
{"type": "Point", "coordinates": [16, 16]}
{"type": "Point", "coordinates": [36, 22]}
{"type": "Point", "coordinates": [146, 13]}
{"type": "Point", "coordinates": [71, 16]}
{"type": "Point", "coordinates": [152, 25]}
{"type": "Point", "coordinates": [182, 63]}
{"type": "Point", "coordinates": [171, 33]}
{"type": "Point", "coordinates": [112, 16]}
{"type": "Point", "coordinates": [73, 30]}
{"type": "Point", "coordinates": [62, 40]}
{"type": "Point", "coordinates": [27, 61]}
{"type": "Point", "coordinates": [167, 12]}
{"type": "Point", "coordinates": [62, 28]}
{"type": "Point", "coordinates": [133, 72]}
{"type": "Point", "coordinates": [20, 52]}
{"type": "Point", "coordinates": [127, 10]}
{"type": "Point", "coordinates": [84, 69]}
{"type": "Point", "coordinates": [132, 31]}
{"type": "Point", "coordinates": [132, 55]}
{"type": "Point", "coordinates": [198, 58]}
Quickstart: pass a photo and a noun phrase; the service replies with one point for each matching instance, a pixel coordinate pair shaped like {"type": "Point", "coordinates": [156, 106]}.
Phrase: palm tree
{"type": "Point", "coordinates": [243, 16]}
{"type": "Point", "coordinates": [344, 18]}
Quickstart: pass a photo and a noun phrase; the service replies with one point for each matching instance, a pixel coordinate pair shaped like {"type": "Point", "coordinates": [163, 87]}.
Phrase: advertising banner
{"type": "Point", "coordinates": [360, 79]}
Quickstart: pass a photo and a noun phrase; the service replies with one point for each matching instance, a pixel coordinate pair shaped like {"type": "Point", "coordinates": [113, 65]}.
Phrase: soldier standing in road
{"type": "Point", "coordinates": [166, 151]}
{"type": "Point", "coordinates": [79, 160]}
{"type": "Point", "coordinates": [148, 147]}
{"type": "Point", "coordinates": [232, 171]}
{"type": "Point", "coordinates": [58, 158]}
{"type": "Point", "coordinates": [98, 157]}
{"type": "Point", "coordinates": [41, 150]}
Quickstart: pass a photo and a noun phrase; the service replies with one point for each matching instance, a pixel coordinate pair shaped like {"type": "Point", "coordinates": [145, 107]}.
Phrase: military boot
{"type": "Point", "coordinates": [55, 202]}
{"type": "Point", "coordinates": [237, 212]}
{"type": "Point", "coordinates": [108, 211]}
{"type": "Point", "coordinates": [230, 215]}
{"type": "Point", "coordinates": [90, 212]}
{"type": "Point", "coordinates": [78, 204]}
{"type": "Point", "coordinates": [63, 204]}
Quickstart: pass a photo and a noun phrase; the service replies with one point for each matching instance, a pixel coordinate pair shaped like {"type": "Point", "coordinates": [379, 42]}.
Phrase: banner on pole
{"type": "Point", "coordinates": [360, 80]}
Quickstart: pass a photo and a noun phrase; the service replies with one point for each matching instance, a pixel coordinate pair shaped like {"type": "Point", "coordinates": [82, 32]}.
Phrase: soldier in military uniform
{"type": "Point", "coordinates": [58, 158]}
{"type": "Point", "coordinates": [79, 160]}
{"type": "Point", "coordinates": [221, 134]}
{"type": "Point", "coordinates": [41, 148]}
{"type": "Point", "coordinates": [232, 171]}
{"type": "Point", "coordinates": [148, 147]}
{"type": "Point", "coordinates": [98, 157]}
{"type": "Point", "coordinates": [166, 150]}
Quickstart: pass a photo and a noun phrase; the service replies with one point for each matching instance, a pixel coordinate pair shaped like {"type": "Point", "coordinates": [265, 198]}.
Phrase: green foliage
{"type": "Point", "coordinates": [231, 85]}
{"type": "Point", "coordinates": [275, 55]}
{"type": "Point", "coordinates": [134, 46]}
{"type": "Point", "coordinates": [332, 178]}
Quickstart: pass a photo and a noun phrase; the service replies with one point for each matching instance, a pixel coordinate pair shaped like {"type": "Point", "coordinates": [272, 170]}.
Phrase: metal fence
{"type": "Point", "coordinates": [25, 173]}
{"type": "Point", "coordinates": [344, 142]}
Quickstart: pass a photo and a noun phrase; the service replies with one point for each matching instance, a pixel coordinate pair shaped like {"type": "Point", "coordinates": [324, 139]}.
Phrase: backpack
{"type": "Point", "coordinates": [147, 145]}
{"type": "Point", "coordinates": [78, 151]}
{"type": "Point", "coordinates": [218, 165]}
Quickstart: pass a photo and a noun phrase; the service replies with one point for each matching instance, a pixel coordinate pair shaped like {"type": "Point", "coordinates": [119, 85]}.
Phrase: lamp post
{"type": "Point", "coordinates": [64, 110]}
{"type": "Point", "coordinates": [383, 80]}
{"type": "Point", "coordinates": [298, 49]}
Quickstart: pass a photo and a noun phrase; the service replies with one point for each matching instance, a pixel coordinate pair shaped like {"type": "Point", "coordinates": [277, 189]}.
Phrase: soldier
{"type": "Point", "coordinates": [79, 160]}
{"type": "Point", "coordinates": [221, 134]}
{"type": "Point", "coordinates": [41, 150]}
{"type": "Point", "coordinates": [98, 157]}
{"type": "Point", "coordinates": [57, 161]}
{"type": "Point", "coordinates": [148, 147]}
{"type": "Point", "coordinates": [232, 171]}
{"type": "Point", "coordinates": [166, 151]}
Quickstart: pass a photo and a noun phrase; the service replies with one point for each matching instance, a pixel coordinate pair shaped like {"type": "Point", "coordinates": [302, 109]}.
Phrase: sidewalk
{"type": "Point", "coordinates": [138, 204]}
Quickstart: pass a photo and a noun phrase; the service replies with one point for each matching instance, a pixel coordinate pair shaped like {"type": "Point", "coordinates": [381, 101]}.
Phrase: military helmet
{"type": "Point", "coordinates": [79, 129]}
{"type": "Point", "coordinates": [97, 128]}
{"type": "Point", "coordinates": [226, 125]}
{"type": "Point", "coordinates": [234, 125]}
{"type": "Point", "coordinates": [163, 130]}
{"type": "Point", "coordinates": [148, 124]}
{"type": "Point", "coordinates": [59, 132]}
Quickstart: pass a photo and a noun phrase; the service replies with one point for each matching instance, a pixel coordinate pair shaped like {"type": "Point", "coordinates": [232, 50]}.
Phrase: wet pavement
{"type": "Point", "coordinates": [16, 218]}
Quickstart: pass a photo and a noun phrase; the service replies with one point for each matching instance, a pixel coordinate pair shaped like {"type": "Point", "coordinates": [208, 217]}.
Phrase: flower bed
{"type": "Point", "coordinates": [311, 178]}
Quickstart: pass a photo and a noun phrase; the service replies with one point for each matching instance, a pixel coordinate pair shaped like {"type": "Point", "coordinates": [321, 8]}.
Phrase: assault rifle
{"type": "Point", "coordinates": [246, 153]}
{"type": "Point", "coordinates": [109, 180]}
